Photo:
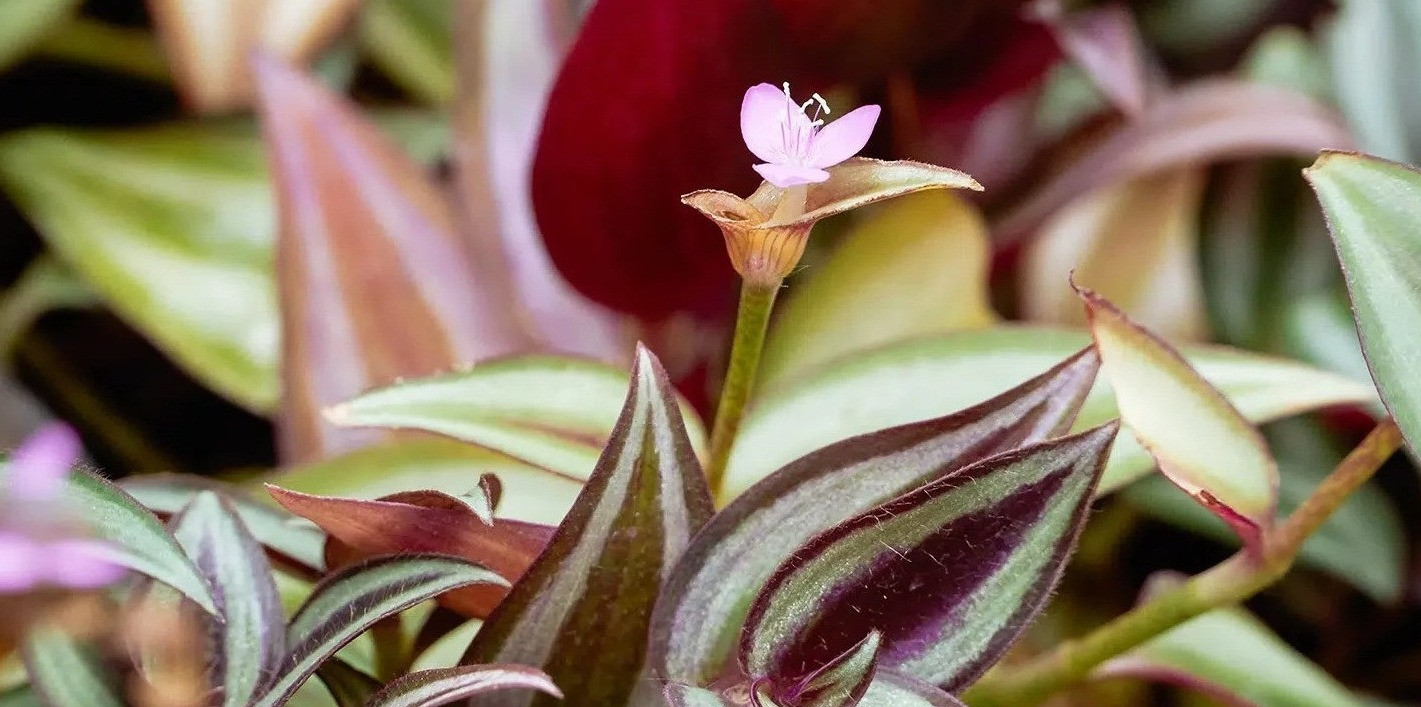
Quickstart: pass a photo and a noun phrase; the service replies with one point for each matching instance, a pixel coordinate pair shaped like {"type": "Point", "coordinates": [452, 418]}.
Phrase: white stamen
{"type": "Point", "coordinates": [823, 104]}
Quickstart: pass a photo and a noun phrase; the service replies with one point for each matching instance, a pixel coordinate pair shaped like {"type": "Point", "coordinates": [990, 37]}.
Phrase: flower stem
{"type": "Point", "coordinates": [1226, 584]}
{"type": "Point", "coordinates": [756, 301]}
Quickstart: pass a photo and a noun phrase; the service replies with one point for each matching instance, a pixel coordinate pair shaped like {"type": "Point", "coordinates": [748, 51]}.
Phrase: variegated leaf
{"type": "Point", "coordinates": [1201, 441]}
{"type": "Point", "coordinates": [950, 573]}
{"type": "Point", "coordinates": [581, 611]}
{"type": "Point", "coordinates": [551, 411]}
{"type": "Point", "coordinates": [840, 683]}
{"type": "Point", "coordinates": [249, 639]}
{"type": "Point", "coordinates": [431, 688]}
{"type": "Point", "coordinates": [700, 614]}
{"type": "Point", "coordinates": [349, 602]}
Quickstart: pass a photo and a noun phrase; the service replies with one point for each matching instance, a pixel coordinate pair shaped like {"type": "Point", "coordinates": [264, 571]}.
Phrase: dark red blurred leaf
{"type": "Point", "coordinates": [422, 522]}
{"type": "Point", "coordinates": [647, 109]}
{"type": "Point", "coordinates": [374, 284]}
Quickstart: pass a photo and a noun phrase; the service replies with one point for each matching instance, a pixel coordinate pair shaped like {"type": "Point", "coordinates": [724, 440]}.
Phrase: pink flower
{"type": "Point", "coordinates": [797, 148]}
{"type": "Point", "coordinates": [38, 550]}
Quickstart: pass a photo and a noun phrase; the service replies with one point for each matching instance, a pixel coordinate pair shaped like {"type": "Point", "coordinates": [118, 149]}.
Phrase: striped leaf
{"type": "Point", "coordinates": [424, 522]}
{"type": "Point", "coordinates": [431, 688]}
{"type": "Point", "coordinates": [248, 641]}
{"type": "Point", "coordinates": [601, 573]}
{"type": "Point", "coordinates": [1202, 442]}
{"type": "Point", "coordinates": [349, 602]}
{"type": "Point", "coordinates": [1373, 207]}
{"type": "Point", "coordinates": [894, 689]}
{"type": "Point", "coordinates": [373, 282]}
{"type": "Point", "coordinates": [841, 683]}
{"type": "Point", "coordinates": [137, 537]}
{"type": "Point", "coordinates": [550, 411]}
{"type": "Point", "coordinates": [272, 527]}
{"type": "Point", "coordinates": [64, 673]}
{"type": "Point", "coordinates": [699, 614]}
{"type": "Point", "coordinates": [950, 573]}
{"type": "Point", "coordinates": [931, 377]}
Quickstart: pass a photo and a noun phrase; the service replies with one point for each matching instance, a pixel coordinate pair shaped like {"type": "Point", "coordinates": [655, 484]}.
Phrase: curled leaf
{"type": "Point", "coordinates": [1201, 441]}
{"type": "Point", "coordinates": [249, 638]}
{"type": "Point", "coordinates": [424, 522]}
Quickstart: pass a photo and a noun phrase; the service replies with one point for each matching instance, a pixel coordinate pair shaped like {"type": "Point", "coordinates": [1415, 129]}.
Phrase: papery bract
{"type": "Point", "coordinates": [764, 248]}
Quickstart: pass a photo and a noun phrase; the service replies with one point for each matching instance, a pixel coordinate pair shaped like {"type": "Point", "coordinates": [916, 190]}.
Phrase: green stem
{"type": "Point", "coordinates": [117, 49]}
{"type": "Point", "coordinates": [1226, 584]}
{"type": "Point", "coordinates": [756, 301]}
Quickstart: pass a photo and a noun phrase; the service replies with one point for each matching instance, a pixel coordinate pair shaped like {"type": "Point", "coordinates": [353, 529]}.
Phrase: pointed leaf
{"type": "Point", "coordinates": [926, 253]}
{"type": "Point", "coordinates": [64, 673]}
{"type": "Point", "coordinates": [533, 495]}
{"type": "Point", "coordinates": [248, 637]}
{"type": "Point", "coordinates": [366, 248]}
{"type": "Point", "coordinates": [274, 528]}
{"type": "Point", "coordinates": [166, 224]}
{"type": "Point", "coordinates": [890, 386]}
{"type": "Point", "coordinates": [1201, 441]}
{"type": "Point", "coordinates": [431, 688]}
{"type": "Point", "coordinates": [135, 536]}
{"type": "Point", "coordinates": [23, 23]}
{"type": "Point", "coordinates": [1136, 243]}
{"type": "Point", "coordinates": [549, 411]}
{"type": "Point", "coordinates": [699, 614]}
{"type": "Point", "coordinates": [349, 602]}
{"type": "Point", "coordinates": [1372, 211]}
{"type": "Point", "coordinates": [640, 507]}
{"type": "Point", "coordinates": [426, 522]}
{"type": "Point", "coordinates": [843, 681]}
{"type": "Point", "coordinates": [950, 573]}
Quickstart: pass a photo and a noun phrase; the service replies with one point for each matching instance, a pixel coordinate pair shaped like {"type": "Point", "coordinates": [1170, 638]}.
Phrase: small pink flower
{"type": "Point", "coordinates": [797, 148]}
{"type": "Point", "coordinates": [41, 551]}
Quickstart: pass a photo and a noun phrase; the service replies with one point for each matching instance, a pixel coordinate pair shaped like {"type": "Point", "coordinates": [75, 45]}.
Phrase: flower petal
{"type": "Point", "coordinates": [842, 138]}
{"type": "Point", "coordinates": [18, 558]}
{"type": "Point", "coordinates": [80, 563]}
{"type": "Point", "coordinates": [38, 468]}
{"type": "Point", "coordinates": [788, 175]}
{"type": "Point", "coordinates": [762, 121]}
